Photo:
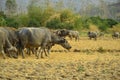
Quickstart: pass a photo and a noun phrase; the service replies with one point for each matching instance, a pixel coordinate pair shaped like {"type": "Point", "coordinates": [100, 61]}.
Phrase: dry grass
{"type": "Point", "coordinates": [83, 62]}
{"type": "Point", "coordinates": [93, 27]}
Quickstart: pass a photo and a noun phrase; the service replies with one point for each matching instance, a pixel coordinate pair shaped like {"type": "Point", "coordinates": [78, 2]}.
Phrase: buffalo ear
{"type": "Point", "coordinates": [63, 40]}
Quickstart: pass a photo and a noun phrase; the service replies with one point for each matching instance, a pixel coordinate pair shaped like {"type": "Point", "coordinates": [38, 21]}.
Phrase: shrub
{"type": "Point", "coordinates": [12, 22]}
{"type": "Point", "coordinates": [54, 23]}
{"type": "Point", "coordinates": [116, 27]}
{"type": "Point", "coordinates": [93, 27]}
{"type": "Point", "coordinates": [33, 23]}
{"type": "Point", "coordinates": [2, 14]}
{"type": "Point", "coordinates": [111, 22]}
{"type": "Point", "coordinates": [101, 49]}
{"type": "Point", "coordinates": [80, 23]}
{"type": "Point", "coordinates": [2, 21]}
{"type": "Point", "coordinates": [103, 24]}
{"type": "Point", "coordinates": [65, 15]}
{"type": "Point", "coordinates": [39, 15]}
{"type": "Point", "coordinates": [23, 20]}
{"type": "Point", "coordinates": [81, 68]}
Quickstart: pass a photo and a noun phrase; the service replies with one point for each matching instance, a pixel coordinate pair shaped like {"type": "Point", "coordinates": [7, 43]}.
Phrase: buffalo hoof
{"type": "Point", "coordinates": [15, 57]}
{"type": "Point", "coordinates": [37, 57]}
{"type": "Point", "coordinates": [4, 58]}
{"type": "Point", "coordinates": [42, 57]}
{"type": "Point", "coordinates": [23, 57]}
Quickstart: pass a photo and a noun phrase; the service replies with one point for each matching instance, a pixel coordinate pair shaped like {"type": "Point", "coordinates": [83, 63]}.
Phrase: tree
{"type": "Point", "coordinates": [11, 7]}
{"type": "Point", "coordinates": [2, 19]}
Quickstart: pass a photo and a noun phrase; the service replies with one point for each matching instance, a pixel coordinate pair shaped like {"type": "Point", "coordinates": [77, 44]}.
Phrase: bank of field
{"type": "Point", "coordinates": [87, 60]}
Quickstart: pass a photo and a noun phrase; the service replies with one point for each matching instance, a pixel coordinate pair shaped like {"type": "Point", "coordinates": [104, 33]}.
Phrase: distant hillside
{"type": "Point", "coordinates": [115, 10]}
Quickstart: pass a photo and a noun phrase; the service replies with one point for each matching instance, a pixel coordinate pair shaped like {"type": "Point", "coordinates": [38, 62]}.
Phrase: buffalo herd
{"type": "Point", "coordinates": [14, 42]}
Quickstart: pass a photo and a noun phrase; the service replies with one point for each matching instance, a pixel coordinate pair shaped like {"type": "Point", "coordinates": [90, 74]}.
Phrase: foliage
{"type": "Point", "coordinates": [111, 22]}
{"type": "Point", "coordinates": [23, 20]}
{"type": "Point", "coordinates": [103, 24]}
{"type": "Point", "coordinates": [2, 14]}
{"type": "Point", "coordinates": [35, 14]}
{"type": "Point", "coordinates": [116, 27]}
{"type": "Point", "coordinates": [101, 49]}
{"type": "Point", "coordinates": [65, 19]}
{"type": "Point", "coordinates": [81, 68]}
{"type": "Point", "coordinates": [2, 19]}
{"type": "Point", "coordinates": [56, 23]}
{"type": "Point", "coordinates": [33, 23]}
{"type": "Point", "coordinates": [80, 23]}
{"type": "Point", "coordinates": [93, 27]}
{"type": "Point", "coordinates": [12, 22]}
{"type": "Point", "coordinates": [62, 21]}
{"type": "Point", "coordinates": [66, 15]}
{"type": "Point", "coordinates": [38, 16]}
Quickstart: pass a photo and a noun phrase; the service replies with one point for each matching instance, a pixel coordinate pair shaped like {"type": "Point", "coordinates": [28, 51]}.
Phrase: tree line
{"type": "Point", "coordinates": [37, 16]}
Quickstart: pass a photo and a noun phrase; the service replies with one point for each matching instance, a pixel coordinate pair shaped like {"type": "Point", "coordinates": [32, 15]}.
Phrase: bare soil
{"type": "Point", "coordinates": [82, 62]}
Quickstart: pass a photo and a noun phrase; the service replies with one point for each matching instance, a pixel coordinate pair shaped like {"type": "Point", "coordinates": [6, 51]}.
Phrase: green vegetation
{"type": "Point", "coordinates": [103, 24]}
{"type": "Point", "coordinates": [54, 19]}
{"type": "Point", "coordinates": [81, 68]}
{"type": "Point", "coordinates": [101, 50]}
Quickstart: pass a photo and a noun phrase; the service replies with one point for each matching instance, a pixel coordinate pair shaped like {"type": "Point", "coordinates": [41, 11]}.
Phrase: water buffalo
{"type": "Point", "coordinates": [116, 35]}
{"type": "Point", "coordinates": [92, 35]}
{"type": "Point", "coordinates": [5, 43]}
{"type": "Point", "coordinates": [11, 34]}
{"type": "Point", "coordinates": [39, 37]}
{"type": "Point", "coordinates": [73, 34]}
{"type": "Point", "coordinates": [70, 33]}
{"type": "Point", "coordinates": [62, 32]}
{"type": "Point", "coordinates": [12, 37]}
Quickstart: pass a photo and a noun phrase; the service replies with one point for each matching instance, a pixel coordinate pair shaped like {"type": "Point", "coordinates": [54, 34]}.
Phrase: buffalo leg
{"type": "Point", "coordinates": [45, 52]}
{"type": "Point", "coordinates": [9, 54]}
{"type": "Point", "coordinates": [14, 55]}
{"type": "Point", "coordinates": [38, 53]}
{"type": "Point", "coordinates": [23, 56]}
{"type": "Point", "coordinates": [90, 38]}
{"type": "Point", "coordinates": [42, 53]}
{"type": "Point", "coordinates": [48, 50]}
{"type": "Point", "coordinates": [3, 53]}
{"type": "Point", "coordinates": [95, 38]}
{"type": "Point", "coordinates": [28, 51]}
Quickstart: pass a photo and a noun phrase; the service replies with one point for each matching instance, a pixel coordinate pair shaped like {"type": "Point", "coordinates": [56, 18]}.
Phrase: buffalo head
{"type": "Point", "coordinates": [64, 43]}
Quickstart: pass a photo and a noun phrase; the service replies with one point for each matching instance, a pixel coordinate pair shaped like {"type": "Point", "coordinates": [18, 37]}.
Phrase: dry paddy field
{"type": "Point", "coordinates": [87, 60]}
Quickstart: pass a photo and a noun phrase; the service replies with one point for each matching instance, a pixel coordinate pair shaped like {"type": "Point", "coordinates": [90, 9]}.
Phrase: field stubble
{"type": "Point", "coordinates": [87, 60]}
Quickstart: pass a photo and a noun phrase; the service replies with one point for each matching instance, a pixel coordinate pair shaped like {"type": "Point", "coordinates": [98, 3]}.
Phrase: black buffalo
{"type": "Point", "coordinates": [73, 34]}
{"type": "Point", "coordinates": [116, 35]}
{"type": "Point", "coordinates": [93, 35]}
{"type": "Point", "coordinates": [12, 38]}
{"type": "Point", "coordinates": [39, 37]}
{"type": "Point", "coordinates": [5, 45]}
{"type": "Point", "coordinates": [62, 32]}
{"type": "Point", "coordinates": [11, 34]}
